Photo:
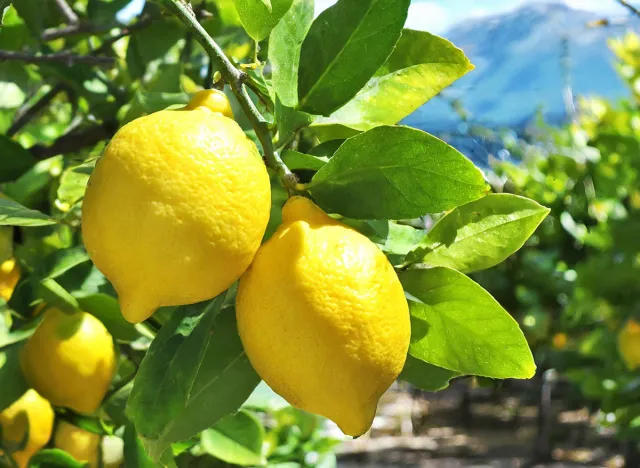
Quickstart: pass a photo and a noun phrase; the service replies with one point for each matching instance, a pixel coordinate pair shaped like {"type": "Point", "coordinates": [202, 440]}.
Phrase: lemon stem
{"type": "Point", "coordinates": [235, 78]}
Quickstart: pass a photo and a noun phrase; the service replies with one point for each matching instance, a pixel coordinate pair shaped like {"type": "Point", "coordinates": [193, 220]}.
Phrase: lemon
{"type": "Point", "coordinates": [176, 208]}
{"type": "Point", "coordinates": [629, 344]}
{"type": "Point", "coordinates": [9, 276]}
{"type": "Point", "coordinates": [559, 340]}
{"type": "Point", "coordinates": [212, 99]}
{"type": "Point", "coordinates": [29, 411]}
{"type": "Point", "coordinates": [81, 444]}
{"type": "Point", "coordinates": [70, 360]}
{"type": "Point", "coordinates": [323, 317]}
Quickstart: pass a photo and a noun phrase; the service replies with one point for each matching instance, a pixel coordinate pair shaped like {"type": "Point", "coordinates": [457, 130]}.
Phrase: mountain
{"type": "Point", "coordinates": [524, 59]}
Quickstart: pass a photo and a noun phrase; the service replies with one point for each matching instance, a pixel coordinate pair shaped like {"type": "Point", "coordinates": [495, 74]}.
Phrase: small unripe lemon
{"type": "Point", "coordinates": [29, 411]}
{"type": "Point", "coordinates": [629, 344]}
{"type": "Point", "coordinates": [176, 207]}
{"type": "Point", "coordinates": [81, 444]}
{"type": "Point", "coordinates": [323, 317]}
{"type": "Point", "coordinates": [70, 360]}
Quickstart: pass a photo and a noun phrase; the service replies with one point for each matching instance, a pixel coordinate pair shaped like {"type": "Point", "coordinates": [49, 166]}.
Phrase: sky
{"type": "Point", "coordinates": [436, 16]}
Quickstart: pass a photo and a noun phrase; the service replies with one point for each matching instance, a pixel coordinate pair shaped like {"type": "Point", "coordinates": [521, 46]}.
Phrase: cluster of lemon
{"type": "Point", "coordinates": [69, 361]}
{"type": "Point", "coordinates": [175, 213]}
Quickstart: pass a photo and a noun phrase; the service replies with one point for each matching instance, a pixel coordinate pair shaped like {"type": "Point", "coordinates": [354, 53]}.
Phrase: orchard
{"type": "Point", "coordinates": [214, 234]}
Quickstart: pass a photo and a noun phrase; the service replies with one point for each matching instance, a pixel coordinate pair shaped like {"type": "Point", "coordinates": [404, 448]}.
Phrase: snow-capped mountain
{"type": "Point", "coordinates": [525, 61]}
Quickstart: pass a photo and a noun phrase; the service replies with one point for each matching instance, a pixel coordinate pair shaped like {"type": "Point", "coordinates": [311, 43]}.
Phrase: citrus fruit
{"type": "Point", "coordinates": [81, 444]}
{"type": "Point", "coordinates": [29, 411]}
{"type": "Point", "coordinates": [629, 344]}
{"type": "Point", "coordinates": [176, 207]}
{"type": "Point", "coordinates": [70, 360]}
{"type": "Point", "coordinates": [9, 276]}
{"type": "Point", "coordinates": [559, 340]}
{"type": "Point", "coordinates": [323, 317]}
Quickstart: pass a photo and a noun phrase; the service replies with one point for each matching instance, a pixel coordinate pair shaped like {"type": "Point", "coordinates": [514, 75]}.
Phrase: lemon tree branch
{"type": "Point", "coordinates": [236, 80]}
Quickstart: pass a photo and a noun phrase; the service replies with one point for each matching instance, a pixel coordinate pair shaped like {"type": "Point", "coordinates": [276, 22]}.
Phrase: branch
{"type": "Point", "coordinates": [67, 11]}
{"type": "Point", "coordinates": [29, 113]}
{"type": "Point", "coordinates": [59, 57]}
{"type": "Point", "coordinates": [88, 28]}
{"type": "Point", "coordinates": [75, 140]}
{"type": "Point", "coordinates": [630, 7]}
{"type": "Point", "coordinates": [236, 79]}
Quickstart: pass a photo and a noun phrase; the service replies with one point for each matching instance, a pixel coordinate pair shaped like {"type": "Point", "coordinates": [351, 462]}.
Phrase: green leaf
{"type": "Point", "coordinates": [12, 380]}
{"type": "Point", "coordinates": [107, 310]}
{"type": "Point", "coordinates": [62, 261]}
{"type": "Point", "coordinates": [393, 239]}
{"type": "Point", "coordinates": [29, 189]}
{"type": "Point", "coordinates": [267, 3]}
{"type": "Point", "coordinates": [15, 159]}
{"type": "Point", "coordinates": [284, 50]}
{"type": "Point", "coordinates": [134, 453]}
{"type": "Point", "coordinates": [257, 18]}
{"type": "Point", "coordinates": [457, 325]}
{"type": "Point", "coordinates": [289, 121]}
{"type": "Point", "coordinates": [420, 67]}
{"type": "Point", "coordinates": [73, 184]}
{"type": "Point", "coordinates": [426, 376]}
{"type": "Point", "coordinates": [55, 295]}
{"type": "Point", "coordinates": [296, 160]}
{"type": "Point", "coordinates": [14, 214]}
{"type": "Point", "coordinates": [151, 45]}
{"type": "Point", "coordinates": [395, 173]}
{"type": "Point", "coordinates": [49, 458]}
{"type": "Point", "coordinates": [195, 373]}
{"type": "Point", "coordinates": [148, 102]}
{"type": "Point", "coordinates": [236, 439]}
{"type": "Point", "coordinates": [480, 234]}
{"type": "Point", "coordinates": [344, 47]}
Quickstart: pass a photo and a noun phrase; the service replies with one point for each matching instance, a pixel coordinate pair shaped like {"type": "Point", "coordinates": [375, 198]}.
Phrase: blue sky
{"type": "Point", "coordinates": [437, 16]}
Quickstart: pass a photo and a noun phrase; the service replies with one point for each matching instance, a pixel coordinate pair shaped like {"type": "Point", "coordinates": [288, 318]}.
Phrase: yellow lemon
{"type": "Point", "coordinates": [212, 99]}
{"type": "Point", "coordinates": [81, 444]}
{"type": "Point", "coordinates": [70, 360]}
{"type": "Point", "coordinates": [559, 340]}
{"type": "Point", "coordinates": [9, 276]}
{"type": "Point", "coordinates": [323, 317]}
{"type": "Point", "coordinates": [29, 411]}
{"type": "Point", "coordinates": [176, 208]}
{"type": "Point", "coordinates": [629, 344]}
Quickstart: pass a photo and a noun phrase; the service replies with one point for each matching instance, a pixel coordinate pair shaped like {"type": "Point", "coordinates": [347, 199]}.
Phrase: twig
{"type": "Point", "coordinates": [126, 31]}
{"type": "Point", "coordinates": [75, 140]}
{"type": "Point", "coordinates": [235, 78]}
{"type": "Point", "coordinates": [72, 30]}
{"type": "Point", "coordinates": [59, 57]}
{"type": "Point", "coordinates": [30, 113]}
{"type": "Point", "coordinates": [629, 7]}
{"type": "Point", "coordinates": [67, 11]}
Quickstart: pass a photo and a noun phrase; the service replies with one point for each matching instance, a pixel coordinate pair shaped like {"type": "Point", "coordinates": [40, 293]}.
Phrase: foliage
{"type": "Point", "coordinates": [326, 94]}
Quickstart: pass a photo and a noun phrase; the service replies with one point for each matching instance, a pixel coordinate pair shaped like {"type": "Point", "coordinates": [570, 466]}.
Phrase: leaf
{"type": "Point", "coordinates": [107, 310]}
{"type": "Point", "coordinates": [285, 42]}
{"type": "Point", "coordinates": [393, 239]}
{"type": "Point", "coordinates": [14, 214]}
{"type": "Point", "coordinates": [257, 18]}
{"type": "Point", "coordinates": [457, 325]}
{"type": "Point", "coordinates": [289, 121]}
{"type": "Point", "coordinates": [49, 458]}
{"type": "Point", "coordinates": [62, 261]}
{"type": "Point", "coordinates": [267, 3]}
{"type": "Point", "coordinates": [426, 376]}
{"type": "Point", "coordinates": [395, 173]}
{"type": "Point", "coordinates": [296, 160]}
{"type": "Point", "coordinates": [12, 381]}
{"type": "Point", "coordinates": [134, 454]}
{"type": "Point", "coordinates": [194, 374]}
{"type": "Point", "coordinates": [15, 159]}
{"type": "Point", "coordinates": [236, 439]}
{"type": "Point", "coordinates": [30, 187]}
{"type": "Point", "coordinates": [419, 68]}
{"type": "Point", "coordinates": [480, 234]}
{"type": "Point", "coordinates": [344, 47]}
{"type": "Point", "coordinates": [73, 184]}
{"type": "Point", "coordinates": [56, 296]}
{"type": "Point", "coordinates": [151, 45]}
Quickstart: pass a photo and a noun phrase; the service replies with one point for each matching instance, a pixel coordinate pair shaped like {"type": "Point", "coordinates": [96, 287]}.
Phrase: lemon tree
{"type": "Point", "coordinates": [215, 230]}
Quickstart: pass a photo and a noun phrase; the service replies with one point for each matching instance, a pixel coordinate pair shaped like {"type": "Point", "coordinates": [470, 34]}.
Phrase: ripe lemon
{"type": "Point", "coordinates": [29, 411]}
{"type": "Point", "coordinates": [81, 444]}
{"type": "Point", "coordinates": [9, 276]}
{"type": "Point", "coordinates": [323, 317]}
{"type": "Point", "coordinates": [176, 207]}
{"type": "Point", "coordinates": [70, 360]}
{"type": "Point", "coordinates": [629, 344]}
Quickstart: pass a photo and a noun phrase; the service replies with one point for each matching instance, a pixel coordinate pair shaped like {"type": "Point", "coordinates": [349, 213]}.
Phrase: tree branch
{"type": "Point", "coordinates": [59, 57]}
{"type": "Point", "coordinates": [67, 11]}
{"type": "Point", "coordinates": [629, 7]}
{"type": "Point", "coordinates": [30, 113]}
{"type": "Point", "coordinates": [88, 28]}
{"type": "Point", "coordinates": [75, 140]}
{"type": "Point", "coordinates": [235, 78]}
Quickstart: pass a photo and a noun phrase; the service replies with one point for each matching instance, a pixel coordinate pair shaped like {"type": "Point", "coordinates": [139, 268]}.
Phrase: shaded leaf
{"type": "Point", "coordinates": [350, 32]}
{"type": "Point", "coordinates": [12, 380]}
{"type": "Point", "coordinates": [457, 325]}
{"type": "Point", "coordinates": [56, 296]}
{"type": "Point", "coordinates": [480, 234]}
{"type": "Point", "coordinates": [14, 214]}
{"type": "Point", "coordinates": [107, 310]}
{"type": "Point", "coordinates": [15, 160]}
{"type": "Point", "coordinates": [55, 458]}
{"type": "Point", "coordinates": [426, 376]}
{"type": "Point", "coordinates": [296, 160]}
{"type": "Point", "coordinates": [395, 173]}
